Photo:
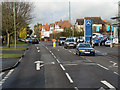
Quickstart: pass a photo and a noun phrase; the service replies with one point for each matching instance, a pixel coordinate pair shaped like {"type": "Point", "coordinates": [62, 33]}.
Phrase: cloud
{"type": "Point", "coordinates": [48, 11]}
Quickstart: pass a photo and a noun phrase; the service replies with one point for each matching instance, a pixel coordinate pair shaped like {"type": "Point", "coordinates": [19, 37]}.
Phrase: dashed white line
{"type": "Point", "coordinates": [102, 66]}
{"type": "Point", "coordinates": [54, 56]}
{"type": "Point", "coordinates": [37, 47]}
{"type": "Point", "coordinates": [62, 67]}
{"type": "Point", "coordinates": [76, 88]}
{"type": "Point", "coordinates": [68, 76]}
{"type": "Point", "coordinates": [38, 50]}
{"type": "Point", "coordinates": [116, 73]}
{"type": "Point", "coordinates": [108, 84]}
{"type": "Point", "coordinates": [47, 47]}
{"type": "Point", "coordinates": [69, 51]}
{"type": "Point", "coordinates": [58, 61]}
{"type": "Point", "coordinates": [3, 80]}
{"type": "Point", "coordinates": [58, 50]}
{"type": "Point", "coordinates": [50, 51]}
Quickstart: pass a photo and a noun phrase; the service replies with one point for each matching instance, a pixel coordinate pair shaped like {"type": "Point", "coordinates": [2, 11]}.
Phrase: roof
{"type": "Point", "coordinates": [96, 20]}
{"type": "Point", "coordinates": [80, 21]}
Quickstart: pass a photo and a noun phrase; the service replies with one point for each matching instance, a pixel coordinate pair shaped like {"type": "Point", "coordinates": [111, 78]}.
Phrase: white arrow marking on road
{"type": "Point", "coordinates": [108, 85]}
{"type": "Point", "coordinates": [114, 64]}
{"type": "Point", "coordinates": [38, 64]}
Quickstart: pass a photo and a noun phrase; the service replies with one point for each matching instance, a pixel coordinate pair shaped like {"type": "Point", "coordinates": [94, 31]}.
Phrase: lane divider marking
{"type": "Point", "coordinates": [62, 67]}
{"type": "Point", "coordinates": [116, 73]}
{"type": "Point", "coordinates": [68, 76]}
{"type": "Point", "coordinates": [37, 47]}
{"type": "Point", "coordinates": [58, 61]}
{"type": "Point", "coordinates": [38, 51]}
{"type": "Point", "coordinates": [1, 74]}
{"type": "Point", "coordinates": [76, 88]}
{"type": "Point", "coordinates": [3, 80]}
{"type": "Point", "coordinates": [102, 66]}
{"type": "Point", "coordinates": [108, 84]}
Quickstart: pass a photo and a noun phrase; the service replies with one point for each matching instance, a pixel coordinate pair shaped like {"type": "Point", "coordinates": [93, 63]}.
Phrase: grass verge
{"type": "Point", "coordinates": [10, 55]}
{"type": "Point", "coordinates": [12, 48]}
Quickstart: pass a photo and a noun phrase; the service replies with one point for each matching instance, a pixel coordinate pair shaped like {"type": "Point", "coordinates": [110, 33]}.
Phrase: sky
{"type": "Point", "coordinates": [49, 11]}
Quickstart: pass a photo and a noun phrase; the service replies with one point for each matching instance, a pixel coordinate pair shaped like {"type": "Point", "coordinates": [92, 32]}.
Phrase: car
{"type": "Point", "coordinates": [85, 49]}
{"type": "Point", "coordinates": [70, 42]}
{"type": "Point", "coordinates": [35, 41]}
{"type": "Point", "coordinates": [62, 40]}
{"type": "Point", "coordinates": [108, 42]}
{"type": "Point", "coordinates": [80, 39]}
{"type": "Point", "coordinates": [96, 41]}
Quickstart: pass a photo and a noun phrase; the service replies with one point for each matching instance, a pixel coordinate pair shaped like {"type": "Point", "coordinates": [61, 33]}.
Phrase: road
{"type": "Point", "coordinates": [61, 68]}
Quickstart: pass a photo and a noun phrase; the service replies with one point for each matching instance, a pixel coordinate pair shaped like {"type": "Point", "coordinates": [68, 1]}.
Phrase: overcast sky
{"type": "Point", "coordinates": [49, 11]}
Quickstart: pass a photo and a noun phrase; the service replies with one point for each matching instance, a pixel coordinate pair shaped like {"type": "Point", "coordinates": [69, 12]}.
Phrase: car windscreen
{"type": "Point", "coordinates": [62, 38]}
{"type": "Point", "coordinates": [70, 40]}
{"type": "Point", "coordinates": [85, 45]}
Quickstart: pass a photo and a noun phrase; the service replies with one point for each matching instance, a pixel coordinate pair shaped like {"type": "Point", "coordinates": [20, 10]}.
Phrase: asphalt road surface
{"type": "Point", "coordinates": [44, 66]}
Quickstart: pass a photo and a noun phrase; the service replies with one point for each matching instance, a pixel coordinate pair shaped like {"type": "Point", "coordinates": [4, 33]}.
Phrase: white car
{"type": "Point", "coordinates": [108, 42]}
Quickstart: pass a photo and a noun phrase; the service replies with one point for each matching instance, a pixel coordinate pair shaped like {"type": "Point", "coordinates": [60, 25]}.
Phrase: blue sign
{"type": "Point", "coordinates": [97, 28]}
{"type": "Point", "coordinates": [88, 30]}
{"type": "Point", "coordinates": [108, 27]}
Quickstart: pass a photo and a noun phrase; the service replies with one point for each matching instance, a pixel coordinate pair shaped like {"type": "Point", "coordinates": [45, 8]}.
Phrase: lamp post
{"type": "Point", "coordinates": [14, 23]}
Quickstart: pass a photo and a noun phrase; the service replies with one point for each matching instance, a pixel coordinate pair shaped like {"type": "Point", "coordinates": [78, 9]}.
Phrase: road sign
{"type": "Point", "coordinates": [88, 30]}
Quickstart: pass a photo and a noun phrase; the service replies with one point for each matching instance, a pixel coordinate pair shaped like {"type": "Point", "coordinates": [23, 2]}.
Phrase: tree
{"type": "Point", "coordinates": [23, 18]}
{"type": "Point", "coordinates": [23, 33]}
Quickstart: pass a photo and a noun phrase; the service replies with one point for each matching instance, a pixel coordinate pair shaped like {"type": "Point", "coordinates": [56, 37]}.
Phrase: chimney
{"type": "Point", "coordinates": [60, 20]}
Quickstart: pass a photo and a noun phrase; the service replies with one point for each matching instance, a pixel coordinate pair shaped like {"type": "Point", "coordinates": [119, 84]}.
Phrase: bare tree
{"type": "Point", "coordinates": [23, 17]}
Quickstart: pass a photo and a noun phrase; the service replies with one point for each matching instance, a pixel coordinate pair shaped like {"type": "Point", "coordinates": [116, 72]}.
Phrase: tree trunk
{"type": "Point", "coordinates": [8, 40]}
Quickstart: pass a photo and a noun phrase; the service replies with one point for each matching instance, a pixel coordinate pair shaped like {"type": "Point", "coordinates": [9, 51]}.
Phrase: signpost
{"type": "Point", "coordinates": [88, 30]}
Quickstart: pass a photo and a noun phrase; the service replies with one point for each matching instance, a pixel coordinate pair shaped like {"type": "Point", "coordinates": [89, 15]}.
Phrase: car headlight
{"type": "Point", "coordinates": [82, 50]}
{"type": "Point", "coordinates": [92, 50]}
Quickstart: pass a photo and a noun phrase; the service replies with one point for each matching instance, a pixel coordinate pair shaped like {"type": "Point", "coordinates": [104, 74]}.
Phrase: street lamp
{"type": "Point", "coordinates": [14, 23]}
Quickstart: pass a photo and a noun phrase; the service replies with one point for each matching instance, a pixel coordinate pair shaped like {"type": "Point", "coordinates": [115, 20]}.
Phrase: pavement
{"type": "Point", "coordinates": [9, 63]}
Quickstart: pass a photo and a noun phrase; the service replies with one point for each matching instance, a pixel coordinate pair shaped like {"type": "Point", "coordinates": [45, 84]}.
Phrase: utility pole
{"type": "Point", "coordinates": [69, 18]}
{"type": "Point", "coordinates": [14, 24]}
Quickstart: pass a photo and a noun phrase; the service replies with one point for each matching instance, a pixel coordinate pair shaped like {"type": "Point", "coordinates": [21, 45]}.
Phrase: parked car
{"type": "Point", "coordinates": [96, 41]}
{"type": "Point", "coordinates": [62, 40]}
{"type": "Point", "coordinates": [35, 41]}
{"type": "Point", "coordinates": [85, 49]}
{"type": "Point", "coordinates": [108, 42]}
{"type": "Point", "coordinates": [70, 42]}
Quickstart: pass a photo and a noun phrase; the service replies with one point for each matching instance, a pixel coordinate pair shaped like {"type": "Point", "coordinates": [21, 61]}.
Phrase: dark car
{"type": "Point", "coordinates": [35, 41]}
{"type": "Point", "coordinates": [62, 40]}
{"type": "Point", "coordinates": [85, 49]}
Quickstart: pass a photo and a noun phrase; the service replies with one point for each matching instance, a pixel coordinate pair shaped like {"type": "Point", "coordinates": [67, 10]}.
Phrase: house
{"type": "Point", "coordinates": [52, 28]}
{"type": "Point", "coordinates": [98, 24]}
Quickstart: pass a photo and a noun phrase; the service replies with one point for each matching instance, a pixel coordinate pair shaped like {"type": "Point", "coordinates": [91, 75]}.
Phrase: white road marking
{"type": "Point", "coordinates": [62, 67]}
{"type": "Point", "coordinates": [58, 61]}
{"type": "Point", "coordinates": [38, 50]}
{"type": "Point", "coordinates": [58, 50]}
{"type": "Point", "coordinates": [50, 51]}
{"type": "Point", "coordinates": [116, 73]}
{"type": "Point", "coordinates": [68, 76]}
{"type": "Point", "coordinates": [102, 66]}
{"type": "Point", "coordinates": [108, 84]}
{"type": "Point", "coordinates": [114, 64]}
{"type": "Point", "coordinates": [54, 56]}
{"type": "Point", "coordinates": [1, 74]}
{"type": "Point", "coordinates": [47, 47]}
{"type": "Point", "coordinates": [74, 53]}
{"type": "Point", "coordinates": [3, 80]}
{"type": "Point", "coordinates": [37, 47]}
{"type": "Point", "coordinates": [52, 62]}
{"type": "Point", "coordinates": [38, 64]}
{"type": "Point", "coordinates": [76, 88]}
